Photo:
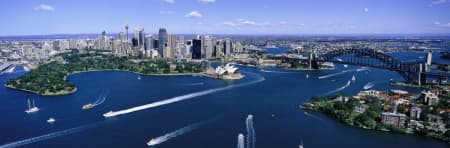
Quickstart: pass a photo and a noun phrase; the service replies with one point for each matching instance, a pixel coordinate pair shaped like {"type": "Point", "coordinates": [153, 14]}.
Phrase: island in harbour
{"type": "Point", "coordinates": [50, 78]}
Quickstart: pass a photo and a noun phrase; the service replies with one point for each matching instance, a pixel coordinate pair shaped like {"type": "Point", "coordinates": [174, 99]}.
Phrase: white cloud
{"type": "Point", "coordinates": [207, 1]}
{"type": "Point", "coordinates": [44, 7]}
{"type": "Point", "coordinates": [244, 22]}
{"type": "Point", "coordinates": [169, 1]}
{"type": "Point", "coordinates": [283, 22]}
{"type": "Point", "coordinates": [366, 9]}
{"type": "Point", "coordinates": [437, 2]}
{"type": "Point", "coordinates": [439, 24]}
{"type": "Point", "coordinates": [194, 14]}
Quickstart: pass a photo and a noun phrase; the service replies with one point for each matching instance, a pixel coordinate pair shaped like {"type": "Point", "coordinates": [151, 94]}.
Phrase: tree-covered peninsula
{"type": "Point", "coordinates": [50, 78]}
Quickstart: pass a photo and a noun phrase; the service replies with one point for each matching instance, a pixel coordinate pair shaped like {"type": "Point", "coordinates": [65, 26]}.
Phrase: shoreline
{"type": "Point", "coordinates": [99, 70]}
{"type": "Point", "coordinates": [308, 106]}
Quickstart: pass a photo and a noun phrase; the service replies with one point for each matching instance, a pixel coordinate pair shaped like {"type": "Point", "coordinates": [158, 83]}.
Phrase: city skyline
{"type": "Point", "coordinates": [226, 17]}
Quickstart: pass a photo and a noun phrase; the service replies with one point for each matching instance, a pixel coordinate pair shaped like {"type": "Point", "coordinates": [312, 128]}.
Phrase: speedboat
{"type": "Point", "coordinates": [87, 106]}
{"type": "Point", "coordinates": [51, 120]}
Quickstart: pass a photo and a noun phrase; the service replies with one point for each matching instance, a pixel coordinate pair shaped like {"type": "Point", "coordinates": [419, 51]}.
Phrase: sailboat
{"type": "Point", "coordinates": [31, 108]}
{"type": "Point", "coordinates": [353, 78]}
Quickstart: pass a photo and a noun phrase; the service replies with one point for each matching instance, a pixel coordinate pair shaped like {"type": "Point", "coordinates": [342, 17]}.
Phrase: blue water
{"type": "Point", "coordinates": [278, 121]}
{"type": "Point", "coordinates": [278, 50]}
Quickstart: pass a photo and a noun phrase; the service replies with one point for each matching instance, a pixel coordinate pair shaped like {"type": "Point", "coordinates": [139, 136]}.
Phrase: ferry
{"type": "Point", "coordinates": [51, 120]}
{"type": "Point", "coordinates": [87, 106]}
{"type": "Point", "coordinates": [32, 108]}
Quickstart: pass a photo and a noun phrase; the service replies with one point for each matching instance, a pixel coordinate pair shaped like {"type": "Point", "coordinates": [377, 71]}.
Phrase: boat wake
{"type": "Point", "coordinates": [49, 136]}
{"type": "Point", "coordinates": [339, 89]}
{"type": "Point", "coordinates": [101, 99]}
{"type": "Point", "coordinates": [362, 69]}
{"type": "Point", "coordinates": [194, 84]}
{"type": "Point", "coordinates": [270, 71]}
{"type": "Point", "coordinates": [184, 130]}
{"type": "Point", "coordinates": [313, 116]}
{"type": "Point", "coordinates": [343, 72]}
{"type": "Point", "coordinates": [369, 85]}
{"type": "Point", "coordinates": [179, 98]}
{"type": "Point", "coordinates": [335, 74]}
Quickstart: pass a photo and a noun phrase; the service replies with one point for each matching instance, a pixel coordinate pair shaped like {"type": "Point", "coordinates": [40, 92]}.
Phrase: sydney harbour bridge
{"type": "Point", "coordinates": [417, 71]}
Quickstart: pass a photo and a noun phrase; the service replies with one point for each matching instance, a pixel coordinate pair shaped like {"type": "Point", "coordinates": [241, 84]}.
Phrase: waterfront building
{"type": "Point", "coordinates": [162, 41]}
{"type": "Point", "coordinates": [429, 98]}
{"type": "Point", "coordinates": [415, 112]}
{"type": "Point", "coordinates": [396, 120]}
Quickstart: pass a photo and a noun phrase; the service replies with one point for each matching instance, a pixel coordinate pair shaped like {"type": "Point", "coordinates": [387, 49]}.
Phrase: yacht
{"type": "Point", "coordinates": [32, 108]}
{"type": "Point", "coordinates": [51, 120]}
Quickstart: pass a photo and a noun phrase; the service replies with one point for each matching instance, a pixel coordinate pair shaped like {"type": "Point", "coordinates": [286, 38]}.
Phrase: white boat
{"type": "Point", "coordinates": [353, 78]}
{"type": "Point", "coordinates": [307, 76]}
{"type": "Point", "coordinates": [31, 108]}
{"type": "Point", "coordinates": [301, 145]}
{"type": "Point", "coordinates": [51, 120]}
{"type": "Point", "coordinates": [152, 142]}
{"type": "Point", "coordinates": [345, 65]}
{"type": "Point", "coordinates": [109, 114]}
{"type": "Point", "coordinates": [339, 59]}
{"type": "Point", "coordinates": [139, 77]}
{"type": "Point", "coordinates": [26, 68]}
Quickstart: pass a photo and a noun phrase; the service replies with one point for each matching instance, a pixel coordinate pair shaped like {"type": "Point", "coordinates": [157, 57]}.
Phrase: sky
{"type": "Point", "coordinates": [293, 17]}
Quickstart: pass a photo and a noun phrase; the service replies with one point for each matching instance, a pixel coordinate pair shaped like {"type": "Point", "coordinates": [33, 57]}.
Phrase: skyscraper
{"type": "Point", "coordinates": [170, 48]}
{"type": "Point", "coordinates": [162, 42]}
{"type": "Point", "coordinates": [196, 49]}
{"type": "Point", "coordinates": [208, 47]}
{"type": "Point", "coordinates": [227, 47]}
{"type": "Point", "coordinates": [141, 37]}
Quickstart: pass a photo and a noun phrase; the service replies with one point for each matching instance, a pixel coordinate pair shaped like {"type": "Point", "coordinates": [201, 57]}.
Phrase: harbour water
{"type": "Point", "coordinates": [273, 102]}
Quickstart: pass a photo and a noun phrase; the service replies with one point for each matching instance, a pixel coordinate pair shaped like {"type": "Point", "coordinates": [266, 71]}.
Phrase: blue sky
{"type": "Point", "coordinates": [34, 17]}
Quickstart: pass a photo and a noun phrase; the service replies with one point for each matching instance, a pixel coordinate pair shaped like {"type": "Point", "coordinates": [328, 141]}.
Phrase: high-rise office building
{"type": "Point", "coordinates": [196, 49]}
{"type": "Point", "coordinates": [227, 47]}
{"type": "Point", "coordinates": [218, 49]}
{"type": "Point", "coordinates": [208, 47]}
{"type": "Point", "coordinates": [141, 37]}
{"type": "Point", "coordinates": [149, 43]}
{"type": "Point", "coordinates": [170, 48]}
{"type": "Point", "coordinates": [162, 42]}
